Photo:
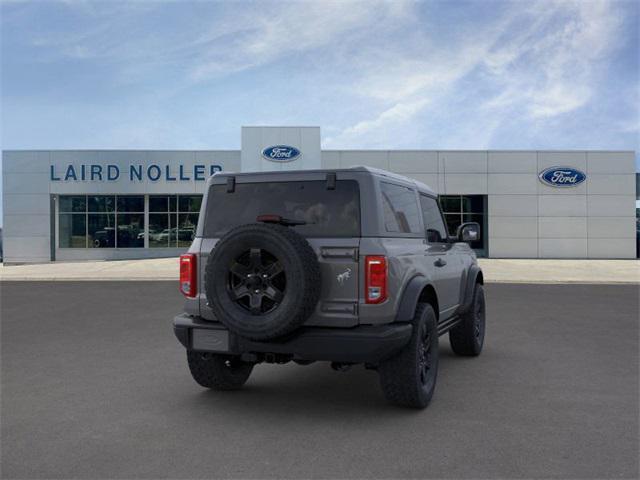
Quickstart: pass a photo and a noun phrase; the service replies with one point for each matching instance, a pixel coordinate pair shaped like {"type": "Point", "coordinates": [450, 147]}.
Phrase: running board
{"type": "Point", "coordinates": [448, 324]}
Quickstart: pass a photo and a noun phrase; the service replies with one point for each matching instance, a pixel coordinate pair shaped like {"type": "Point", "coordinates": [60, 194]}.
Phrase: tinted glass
{"type": "Point", "coordinates": [189, 203]}
{"type": "Point", "coordinates": [473, 204]}
{"type": "Point", "coordinates": [158, 203]}
{"type": "Point", "coordinates": [72, 203]}
{"type": "Point", "coordinates": [131, 203]}
{"type": "Point", "coordinates": [72, 230]}
{"type": "Point", "coordinates": [400, 209]}
{"type": "Point", "coordinates": [187, 223]}
{"type": "Point", "coordinates": [101, 229]}
{"type": "Point", "coordinates": [450, 204]}
{"type": "Point", "coordinates": [327, 213]}
{"type": "Point", "coordinates": [130, 230]}
{"type": "Point", "coordinates": [102, 203]}
{"type": "Point", "coordinates": [173, 203]}
{"type": "Point", "coordinates": [433, 223]}
{"type": "Point", "coordinates": [173, 230]}
{"type": "Point", "coordinates": [454, 220]}
{"type": "Point", "coordinates": [158, 230]}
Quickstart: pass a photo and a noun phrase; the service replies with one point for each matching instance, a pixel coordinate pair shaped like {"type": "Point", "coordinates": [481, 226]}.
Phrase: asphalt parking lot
{"type": "Point", "coordinates": [94, 385]}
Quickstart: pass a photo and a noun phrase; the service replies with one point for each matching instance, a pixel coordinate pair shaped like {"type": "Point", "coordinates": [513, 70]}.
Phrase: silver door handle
{"type": "Point", "coordinates": [440, 262]}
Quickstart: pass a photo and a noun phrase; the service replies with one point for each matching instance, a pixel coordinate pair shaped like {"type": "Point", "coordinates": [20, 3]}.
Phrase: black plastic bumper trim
{"type": "Point", "coordinates": [361, 344]}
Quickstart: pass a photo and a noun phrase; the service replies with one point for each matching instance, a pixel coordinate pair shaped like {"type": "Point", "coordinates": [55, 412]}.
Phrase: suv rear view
{"type": "Point", "coordinates": [324, 265]}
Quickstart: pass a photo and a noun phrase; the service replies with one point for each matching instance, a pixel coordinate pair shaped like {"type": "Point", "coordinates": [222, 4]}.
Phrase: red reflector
{"type": "Point", "coordinates": [188, 275]}
{"type": "Point", "coordinates": [375, 279]}
{"type": "Point", "coordinates": [269, 218]}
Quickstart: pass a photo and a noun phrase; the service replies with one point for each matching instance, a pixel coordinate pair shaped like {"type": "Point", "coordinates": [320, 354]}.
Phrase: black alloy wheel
{"type": "Point", "coordinates": [467, 338]}
{"type": "Point", "coordinates": [424, 358]}
{"type": "Point", "coordinates": [479, 320]}
{"type": "Point", "coordinates": [257, 281]}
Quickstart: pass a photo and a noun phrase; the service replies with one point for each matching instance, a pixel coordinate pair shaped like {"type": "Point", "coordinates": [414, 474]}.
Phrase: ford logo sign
{"type": "Point", "coordinates": [562, 177]}
{"type": "Point", "coordinates": [281, 153]}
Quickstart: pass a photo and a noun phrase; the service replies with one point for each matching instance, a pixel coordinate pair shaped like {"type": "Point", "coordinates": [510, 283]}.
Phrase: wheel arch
{"type": "Point", "coordinates": [419, 289]}
{"type": "Point", "coordinates": [474, 276]}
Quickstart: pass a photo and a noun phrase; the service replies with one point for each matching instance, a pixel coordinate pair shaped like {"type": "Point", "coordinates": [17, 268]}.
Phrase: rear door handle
{"type": "Point", "coordinates": [440, 262]}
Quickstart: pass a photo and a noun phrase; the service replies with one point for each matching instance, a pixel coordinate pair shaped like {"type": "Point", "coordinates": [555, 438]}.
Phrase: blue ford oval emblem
{"type": "Point", "coordinates": [281, 153]}
{"type": "Point", "coordinates": [562, 177]}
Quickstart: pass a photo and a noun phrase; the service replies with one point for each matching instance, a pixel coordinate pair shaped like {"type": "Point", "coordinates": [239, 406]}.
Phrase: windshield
{"type": "Point", "coordinates": [325, 213]}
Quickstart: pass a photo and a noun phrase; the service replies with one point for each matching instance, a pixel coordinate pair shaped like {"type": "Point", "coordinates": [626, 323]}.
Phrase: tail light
{"type": "Point", "coordinates": [375, 279]}
{"type": "Point", "coordinates": [188, 275]}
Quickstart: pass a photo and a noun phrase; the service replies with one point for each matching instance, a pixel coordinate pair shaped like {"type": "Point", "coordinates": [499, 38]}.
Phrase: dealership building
{"type": "Point", "coordinates": [69, 205]}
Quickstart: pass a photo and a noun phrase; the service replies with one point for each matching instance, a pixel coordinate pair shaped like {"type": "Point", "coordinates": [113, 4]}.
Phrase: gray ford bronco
{"type": "Point", "coordinates": [347, 266]}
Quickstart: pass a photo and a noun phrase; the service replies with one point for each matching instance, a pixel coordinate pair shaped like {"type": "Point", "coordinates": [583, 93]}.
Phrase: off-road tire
{"type": "Point", "coordinates": [401, 377]}
{"type": "Point", "coordinates": [467, 338]}
{"type": "Point", "coordinates": [219, 372]}
{"type": "Point", "coordinates": [299, 264]}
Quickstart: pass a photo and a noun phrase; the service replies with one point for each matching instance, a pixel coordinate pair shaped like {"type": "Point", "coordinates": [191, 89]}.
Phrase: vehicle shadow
{"type": "Point", "coordinates": [314, 390]}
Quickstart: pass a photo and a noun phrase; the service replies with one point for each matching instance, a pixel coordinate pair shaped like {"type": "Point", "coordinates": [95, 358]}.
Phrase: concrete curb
{"type": "Point", "coordinates": [544, 272]}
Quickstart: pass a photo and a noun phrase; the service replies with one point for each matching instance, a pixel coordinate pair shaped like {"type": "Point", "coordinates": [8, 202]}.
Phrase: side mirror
{"type": "Point", "coordinates": [468, 232]}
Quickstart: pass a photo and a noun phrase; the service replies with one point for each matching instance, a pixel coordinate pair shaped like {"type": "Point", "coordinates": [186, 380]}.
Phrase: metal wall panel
{"type": "Point", "coordinates": [513, 227]}
{"type": "Point", "coordinates": [562, 247]}
{"type": "Point", "coordinates": [407, 162]}
{"type": "Point", "coordinates": [611, 248]}
{"type": "Point", "coordinates": [512, 183]}
{"type": "Point", "coordinates": [611, 162]}
{"type": "Point", "coordinates": [512, 162]}
{"type": "Point", "coordinates": [462, 162]}
{"type": "Point", "coordinates": [513, 247]}
{"type": "Point", "coordinates": [562, 227]}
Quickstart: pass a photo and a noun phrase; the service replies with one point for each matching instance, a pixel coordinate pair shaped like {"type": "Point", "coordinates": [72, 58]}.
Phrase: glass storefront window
{"type": "Point", "coordinates": [450, 203]}
{"type": "Point", "coordinates": [187, 223]}
{"type": "Point", "coordinates": [173, 220]}
{"type": "Point", "coordinates": [101, 203]}
{"type": "Point", "coordinates": [189, 203]}
{"type": "Point", "coordinates": [118, 221]}
{"type": "Point", "coordinates": [473, 204]}
{"type": "Point", "coordinates": [73, 203]}
{"type": "Point", "coordinates": [101, 230]}
{"type": "Point", "coordinates": [130, 230]}
{"type": "Point", "coordinates": [454, 220]}
{"type": "Point", "coordinates": [131, 203]}
{"type": "Point", "coordinates": [159, 230]}
{"type": "Point", "coordinates": [72, 230]}
{"type": "Point", "coordinates": [466, 208]}
{"type": "Point", "coordinates": [158, 203]}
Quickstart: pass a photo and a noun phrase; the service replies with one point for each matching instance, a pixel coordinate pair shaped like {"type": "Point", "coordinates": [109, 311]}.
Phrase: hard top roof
{"type": "Point", "coordinates": [358, 168]}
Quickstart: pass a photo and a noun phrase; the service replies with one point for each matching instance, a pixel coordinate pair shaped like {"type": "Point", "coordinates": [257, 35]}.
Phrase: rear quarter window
{"type": "Point", "coordinates": [400, 209]}
{"type": "Point", "coordinates": [327, 213]}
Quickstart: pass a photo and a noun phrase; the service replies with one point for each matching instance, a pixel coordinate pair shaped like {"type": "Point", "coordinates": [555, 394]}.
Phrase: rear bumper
{"type": "Point", "coordinates": [361, 344]}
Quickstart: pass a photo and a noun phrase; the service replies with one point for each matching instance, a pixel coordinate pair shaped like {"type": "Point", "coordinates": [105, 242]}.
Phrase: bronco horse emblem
{"type": "Point", "coordinates": [342, 277]}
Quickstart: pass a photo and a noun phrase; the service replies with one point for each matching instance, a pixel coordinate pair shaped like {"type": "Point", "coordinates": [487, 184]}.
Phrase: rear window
{"type": "Point", "coordinates": [328, 213]}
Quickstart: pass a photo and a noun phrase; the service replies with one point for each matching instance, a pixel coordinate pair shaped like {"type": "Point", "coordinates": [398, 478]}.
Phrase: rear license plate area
{"type": "Point", "coordinates": [210, 340]}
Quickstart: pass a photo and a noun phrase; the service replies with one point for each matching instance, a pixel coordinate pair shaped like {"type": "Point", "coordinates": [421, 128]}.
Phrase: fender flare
{"type": "Point", "coordinates": [409, 299]}
{"type": "Point", "coordinates": [472, 277]}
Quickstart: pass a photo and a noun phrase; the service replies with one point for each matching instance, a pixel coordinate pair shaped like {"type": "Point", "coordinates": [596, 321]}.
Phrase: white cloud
{"type": "Point", "coordinates": [374, 72]}
{"type": "Point", "coordinates": [539, 60]}
{"type": "Point", "coordinates": [282, 29]}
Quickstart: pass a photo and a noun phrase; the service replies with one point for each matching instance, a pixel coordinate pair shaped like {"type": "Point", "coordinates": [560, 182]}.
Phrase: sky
{"type": "Point", "coordinates": [372, 74]}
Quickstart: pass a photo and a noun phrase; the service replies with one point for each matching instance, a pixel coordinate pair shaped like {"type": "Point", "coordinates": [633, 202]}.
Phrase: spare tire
{"type": "Point", "coordinates": [262, 280]}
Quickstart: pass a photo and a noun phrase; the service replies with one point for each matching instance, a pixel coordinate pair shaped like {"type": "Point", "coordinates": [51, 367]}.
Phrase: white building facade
{"type": "Point", "coordinates": [119, 204]}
